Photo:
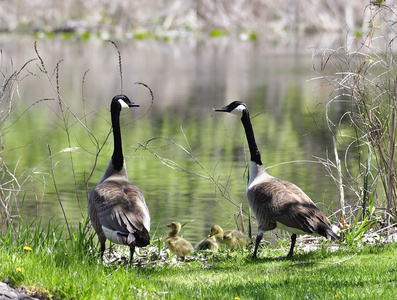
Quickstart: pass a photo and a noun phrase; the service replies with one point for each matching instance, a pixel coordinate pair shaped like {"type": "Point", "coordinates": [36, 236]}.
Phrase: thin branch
{"type": "Point", "coordinates": [120, 65]}
{"type": "Point", "coordinates": [56, 191]}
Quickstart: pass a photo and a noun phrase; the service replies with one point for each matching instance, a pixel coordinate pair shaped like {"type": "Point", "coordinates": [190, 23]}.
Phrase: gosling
{"type": "Point", "coordinates": [208, 244]}
{"type": "Point", "coordinates": [177, 245]}
{"type": "Point", "coordinates": [231, 238]}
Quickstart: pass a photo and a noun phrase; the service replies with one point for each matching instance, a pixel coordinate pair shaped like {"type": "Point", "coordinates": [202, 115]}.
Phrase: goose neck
{"type": "Point", "coordinates": [117, 157]}
{"type": "Point", "coordinates": [249, 132]}
{"type": "Point", "coordinates": [172, 233]}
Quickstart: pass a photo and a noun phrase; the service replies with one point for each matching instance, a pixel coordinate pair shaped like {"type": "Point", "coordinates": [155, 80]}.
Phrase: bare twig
{"type": "Point", "coordinates": [340, 182]}
{"type": "Point", "coordinates": [56, 191]}
{"type": "Point", "coordinates": [120, 65]}
{"type": "Point", "coordinates": [173, 165]}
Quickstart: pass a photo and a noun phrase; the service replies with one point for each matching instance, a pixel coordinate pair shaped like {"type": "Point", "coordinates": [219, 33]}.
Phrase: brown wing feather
{"type": "Point", "coordinates": [282, 201]}
{"type": "Point", "coordinates": [121, 206]}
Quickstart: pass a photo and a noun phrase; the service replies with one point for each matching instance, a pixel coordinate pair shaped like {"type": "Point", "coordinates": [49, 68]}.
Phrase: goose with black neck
{"type": "Point", "coordinates": [277, 203]}
{"type": "Point", "coordinates": [117, 208]}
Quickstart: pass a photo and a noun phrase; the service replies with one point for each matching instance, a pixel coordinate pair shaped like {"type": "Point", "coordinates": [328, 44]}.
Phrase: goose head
{"type": "Point", "coordinates": [175, 227]}
{"type": "Point", "coordinates": [236, 108]}
{"type": "Point", "coordinates": [122, 101]}
{"type": "Point", "coordinates": [216, 230]}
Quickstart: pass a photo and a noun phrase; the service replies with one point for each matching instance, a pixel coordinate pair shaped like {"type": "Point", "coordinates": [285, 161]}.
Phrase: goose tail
{"type": "Point", "coordinates": [138, 238]}
{"type": "Point", "coordinates": [328, 233]}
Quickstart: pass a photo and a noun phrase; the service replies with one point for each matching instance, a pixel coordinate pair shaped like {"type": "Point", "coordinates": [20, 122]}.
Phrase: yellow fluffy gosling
{"type": "Point", "coordinates": [177, 245]}
{"type": "Point", "coordinates": [231, 238]}
{"type": "Point", "coordinates": [208, 244]}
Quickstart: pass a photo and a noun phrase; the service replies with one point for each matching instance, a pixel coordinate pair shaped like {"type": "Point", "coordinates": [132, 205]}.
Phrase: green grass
{"type": "Point", "coordinates": [65, 269]}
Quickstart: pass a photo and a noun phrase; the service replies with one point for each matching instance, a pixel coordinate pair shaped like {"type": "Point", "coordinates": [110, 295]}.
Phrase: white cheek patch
{"type": "Point", "coordinates": [123, 104]}
{"type": "Point", "coordinates": [238, 110]}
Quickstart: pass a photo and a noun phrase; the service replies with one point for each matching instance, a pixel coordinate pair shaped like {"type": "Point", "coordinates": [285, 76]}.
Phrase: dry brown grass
{"type": "Point", "coordinates": [364, 92]}
{"type": "Point", "coordinates": [120, 16]}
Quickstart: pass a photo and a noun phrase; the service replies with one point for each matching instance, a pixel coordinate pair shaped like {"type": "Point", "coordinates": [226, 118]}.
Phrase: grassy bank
{"type": "Point", "coordinates": [42, 263]}
{"type": "Point", "coordinates": [56, 262]}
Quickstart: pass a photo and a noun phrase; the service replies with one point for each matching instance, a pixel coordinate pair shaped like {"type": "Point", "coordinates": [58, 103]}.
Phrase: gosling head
{"type": "Point", "coordinates": [216, 230]}
{"type": "Point", "coordinates": [236, 108]}
{"type": "Point", "coordinates": [175, 226]}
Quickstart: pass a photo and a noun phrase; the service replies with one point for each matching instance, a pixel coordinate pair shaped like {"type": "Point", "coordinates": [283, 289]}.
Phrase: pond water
{"type": "Point", "coordinates": [195, 171]}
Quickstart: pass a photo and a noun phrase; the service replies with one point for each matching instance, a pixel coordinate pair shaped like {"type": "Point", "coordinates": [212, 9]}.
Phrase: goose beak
{"type": "Point", "coordinates": [132, 104]}
{"type": "Point", "coordinates": [224, 109]}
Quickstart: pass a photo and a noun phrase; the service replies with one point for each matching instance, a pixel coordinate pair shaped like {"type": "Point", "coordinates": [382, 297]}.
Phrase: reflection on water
{"type": "Point", "coordinates": [188, 78]}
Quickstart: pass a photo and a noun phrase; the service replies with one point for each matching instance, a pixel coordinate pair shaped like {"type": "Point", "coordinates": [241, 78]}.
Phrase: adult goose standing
{"type": "Point", "coordinates": [116, 207]}
{"type": "Point", "coordinates": [277, 203]}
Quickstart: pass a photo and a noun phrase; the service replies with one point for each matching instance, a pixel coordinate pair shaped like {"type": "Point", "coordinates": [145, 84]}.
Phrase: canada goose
{"type": "Point", "coordinates": [177, 245]}
{"type": "Point", "coordinates": [275, 202]}
{"type": "Point", "coordinates": [117, 208]}
{"type": "Point", "coordinates": [208, 244]}
{"type": "Point", "coordinates": [231, 238]}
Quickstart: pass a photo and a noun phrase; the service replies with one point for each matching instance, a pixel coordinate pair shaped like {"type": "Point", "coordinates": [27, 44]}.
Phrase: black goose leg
{"type": "Point", "coordinates": [132, 251]}
{"type": "Point", "coordinates": [257, 242]}
{"type": "Point", "coordinates": [293, 241]}
{"type": "Point", "coordinates": [102, 249]}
